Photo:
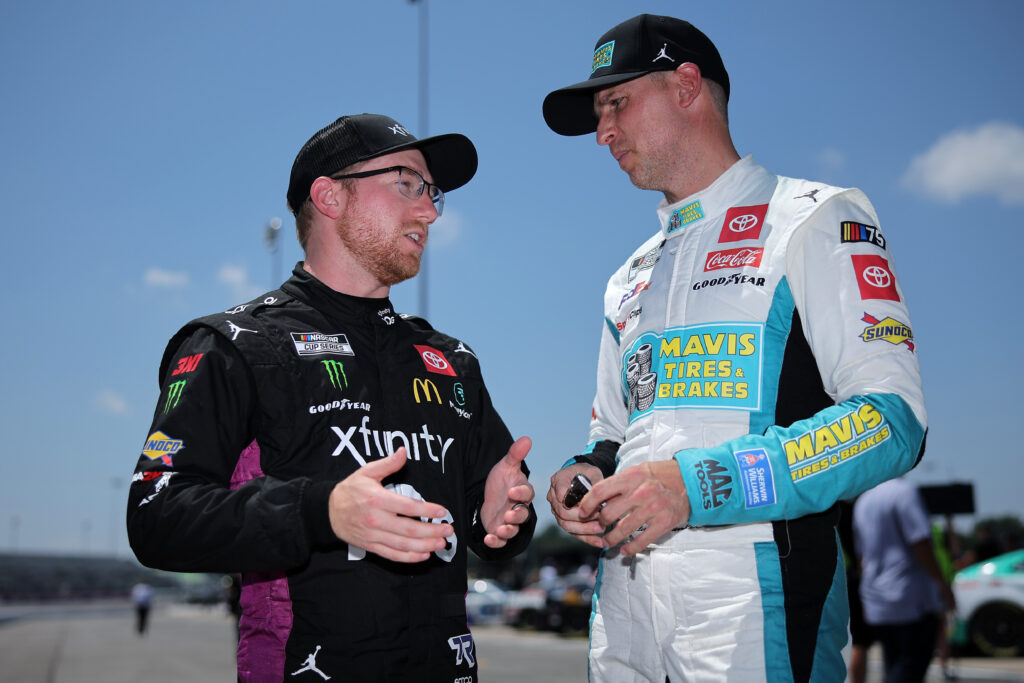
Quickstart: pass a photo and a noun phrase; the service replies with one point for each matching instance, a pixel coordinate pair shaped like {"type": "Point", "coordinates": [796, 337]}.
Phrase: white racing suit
{"type": "Point", "coordinates": [762, 340]}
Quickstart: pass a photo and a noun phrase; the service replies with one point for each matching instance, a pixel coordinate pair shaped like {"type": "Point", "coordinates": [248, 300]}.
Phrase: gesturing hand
{"type": "Point", "coordinates": [507, 495]}
{"type": "Point", "coordinates": [365, 514]}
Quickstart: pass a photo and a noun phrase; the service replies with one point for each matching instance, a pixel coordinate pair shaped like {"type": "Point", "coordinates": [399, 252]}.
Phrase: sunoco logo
{"type": "Point", "coordinates": [159, 446]}
{"type": "Point", "coordinates": [888, 329]}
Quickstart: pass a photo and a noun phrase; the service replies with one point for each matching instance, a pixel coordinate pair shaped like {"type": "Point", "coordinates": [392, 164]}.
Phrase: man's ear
{"type": "Point", "coordinates": [328, 196]}
{"type": "Point", "coordinates": [687, 81]}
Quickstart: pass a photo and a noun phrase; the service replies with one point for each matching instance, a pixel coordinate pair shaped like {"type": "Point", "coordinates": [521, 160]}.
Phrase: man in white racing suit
{"type": "Point", "coordinates": [756, 366]}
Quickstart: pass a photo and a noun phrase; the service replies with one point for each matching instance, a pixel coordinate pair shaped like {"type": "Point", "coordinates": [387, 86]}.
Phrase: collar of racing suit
{"type": "Point", "coordinates": [738, 181]}
{"type": "Point", "coordinates": [304, 287]}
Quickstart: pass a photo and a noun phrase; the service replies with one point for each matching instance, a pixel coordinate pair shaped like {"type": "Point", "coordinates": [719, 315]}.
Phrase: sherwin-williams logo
{"type": "Point", "coordinates": [426, 386]}
{"type": "Point", "coordinates": [684, 216]}
{"type": "Point", "coordinates": [889, 329]}
{"type": "Point", "coordinates": [336, 373]}
{"type": "Point", "coordinates": [174, 392]}
{"type": "Point", "coordinates": [161, 447]}
{"type": "Point", "coordinates": [756, 478]}
{"type": "Point", "coordinates": [603, 56]}
{"type": "Point", "coordinates": [315, 343]}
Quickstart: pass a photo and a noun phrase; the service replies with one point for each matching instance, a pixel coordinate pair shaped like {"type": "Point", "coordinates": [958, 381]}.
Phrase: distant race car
{"type": "Point", "coordinates": [990, 606]}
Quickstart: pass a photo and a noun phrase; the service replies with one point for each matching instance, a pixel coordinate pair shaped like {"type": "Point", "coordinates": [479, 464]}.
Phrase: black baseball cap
{"type": "Point", "coordinates": [451, 158]}
{"type": "Point", "coordinates": [638, 46]}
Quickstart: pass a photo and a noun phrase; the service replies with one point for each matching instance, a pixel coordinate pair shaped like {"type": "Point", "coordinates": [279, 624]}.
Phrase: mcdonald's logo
{"type": "Point", "coordinates": [427, 386]}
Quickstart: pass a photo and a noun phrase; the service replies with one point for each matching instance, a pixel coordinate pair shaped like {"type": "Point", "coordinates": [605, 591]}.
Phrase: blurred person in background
{"type": "Point", "coordinates": [903, 590]}
{"type": "Point", "coordinates": [142, 599]}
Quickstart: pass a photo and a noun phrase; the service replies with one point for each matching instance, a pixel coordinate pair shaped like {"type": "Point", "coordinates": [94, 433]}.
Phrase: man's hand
{"type": "Point", "coordinates": [586, 528]}
{"type": "Point", "coordinates": [651, 495]}
{"type": "Point", "coordinates": [507, 496]}
{"type": "Point", "coordinates": [365, 514]}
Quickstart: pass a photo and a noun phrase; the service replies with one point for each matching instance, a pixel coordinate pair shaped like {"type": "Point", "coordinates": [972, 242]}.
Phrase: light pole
{"type": "Point", "coordinates": [270, 237]}
{"type": "Point", "coordinates": [115, 483]}
{"type": "Point", "coordinates": [422, 131]}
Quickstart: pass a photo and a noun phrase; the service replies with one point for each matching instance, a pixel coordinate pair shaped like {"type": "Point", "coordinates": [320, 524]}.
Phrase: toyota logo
{"type": "Point", "coordinates": [435, 360]}
{"type": "Point", "coordinates": [877, 276]}
{"type": "Point", "coordinates": [743, 223]}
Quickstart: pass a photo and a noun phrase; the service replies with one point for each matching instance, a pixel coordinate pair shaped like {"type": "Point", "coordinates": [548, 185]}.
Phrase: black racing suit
{"type": "Point", "coordinates": [263, 409]}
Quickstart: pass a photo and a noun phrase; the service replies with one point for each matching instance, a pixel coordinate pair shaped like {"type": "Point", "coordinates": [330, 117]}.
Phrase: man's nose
{"type": "Point", "coordinates": [605, 130]}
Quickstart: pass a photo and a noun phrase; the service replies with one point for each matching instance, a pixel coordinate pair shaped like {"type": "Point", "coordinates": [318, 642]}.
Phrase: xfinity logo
{"type": "Point", "coordinates": [387, 442]}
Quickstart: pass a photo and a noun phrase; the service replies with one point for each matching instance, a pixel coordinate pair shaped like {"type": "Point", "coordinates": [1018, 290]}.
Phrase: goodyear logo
{"type": "Point", "coordinates": [887, 329]}
{"type": "Point", "coordinates": [684, 216]}
{"type": "Point", "coordinates": [603, 56]}
{"type": "Point", "coordinates": [426, 386]}
{"type": "Point", "coordinates": [159, 446]}
{"type": "Point", "coordinates": [845, 437]}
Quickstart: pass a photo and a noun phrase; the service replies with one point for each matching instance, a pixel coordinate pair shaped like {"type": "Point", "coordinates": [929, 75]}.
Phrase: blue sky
{"type": "Point", "coordinates": [144, 147]}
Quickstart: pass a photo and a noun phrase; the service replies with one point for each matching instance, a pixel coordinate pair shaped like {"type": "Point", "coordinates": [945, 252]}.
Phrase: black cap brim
{"type": "Point", "coordinates": [570, 110]}
{"type": "Point", "coordinates": [451, 158]}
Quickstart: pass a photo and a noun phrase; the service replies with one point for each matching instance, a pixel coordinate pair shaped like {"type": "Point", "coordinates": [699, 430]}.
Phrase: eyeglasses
{"type": "Point", "coordinates": [410, 184]}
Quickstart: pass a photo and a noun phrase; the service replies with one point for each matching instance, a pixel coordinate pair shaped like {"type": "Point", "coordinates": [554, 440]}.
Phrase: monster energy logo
{"type": "Point", "coordinates": [336, 373]}
{"type": "Point", "coordinates": [174, 392]}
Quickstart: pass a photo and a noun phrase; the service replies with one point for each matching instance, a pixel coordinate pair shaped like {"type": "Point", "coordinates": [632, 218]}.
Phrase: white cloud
{"type": "Point", "coordinates": [166, 279]}
{"type": "Point", "coordinates": [237, 280]}
{"type": "Point", "coordinates": [832, 159]}
{"type": "Point", "coordinates": [110, 402]}
{"type": "Point", "coordinates": [446, 230]}
{"type": "Point", "coordinates": [983, 161]}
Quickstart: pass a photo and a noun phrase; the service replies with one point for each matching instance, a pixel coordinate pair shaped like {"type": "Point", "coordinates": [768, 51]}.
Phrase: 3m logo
{"type": "Point", "coordinates": [161, 447]}
{"type": "Point", "coordinates": [426, 386]}
{"type": "Point", "coordinates": [174, 392]}
{"type": "Point", "coordinates": [434, 360]}
{"type": "Point", "coordinates": [187, 364]}
{"type": "Point", "coordinates": [336, 373]}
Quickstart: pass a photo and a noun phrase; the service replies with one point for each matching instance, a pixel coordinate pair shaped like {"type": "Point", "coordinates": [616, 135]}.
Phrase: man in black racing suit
{"type": "Point", "coordinates": [338, 455]}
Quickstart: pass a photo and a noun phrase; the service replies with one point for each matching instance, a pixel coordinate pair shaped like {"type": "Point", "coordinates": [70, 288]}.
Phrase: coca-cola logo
{"type": "Point", "coordinates": [743, 257]}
